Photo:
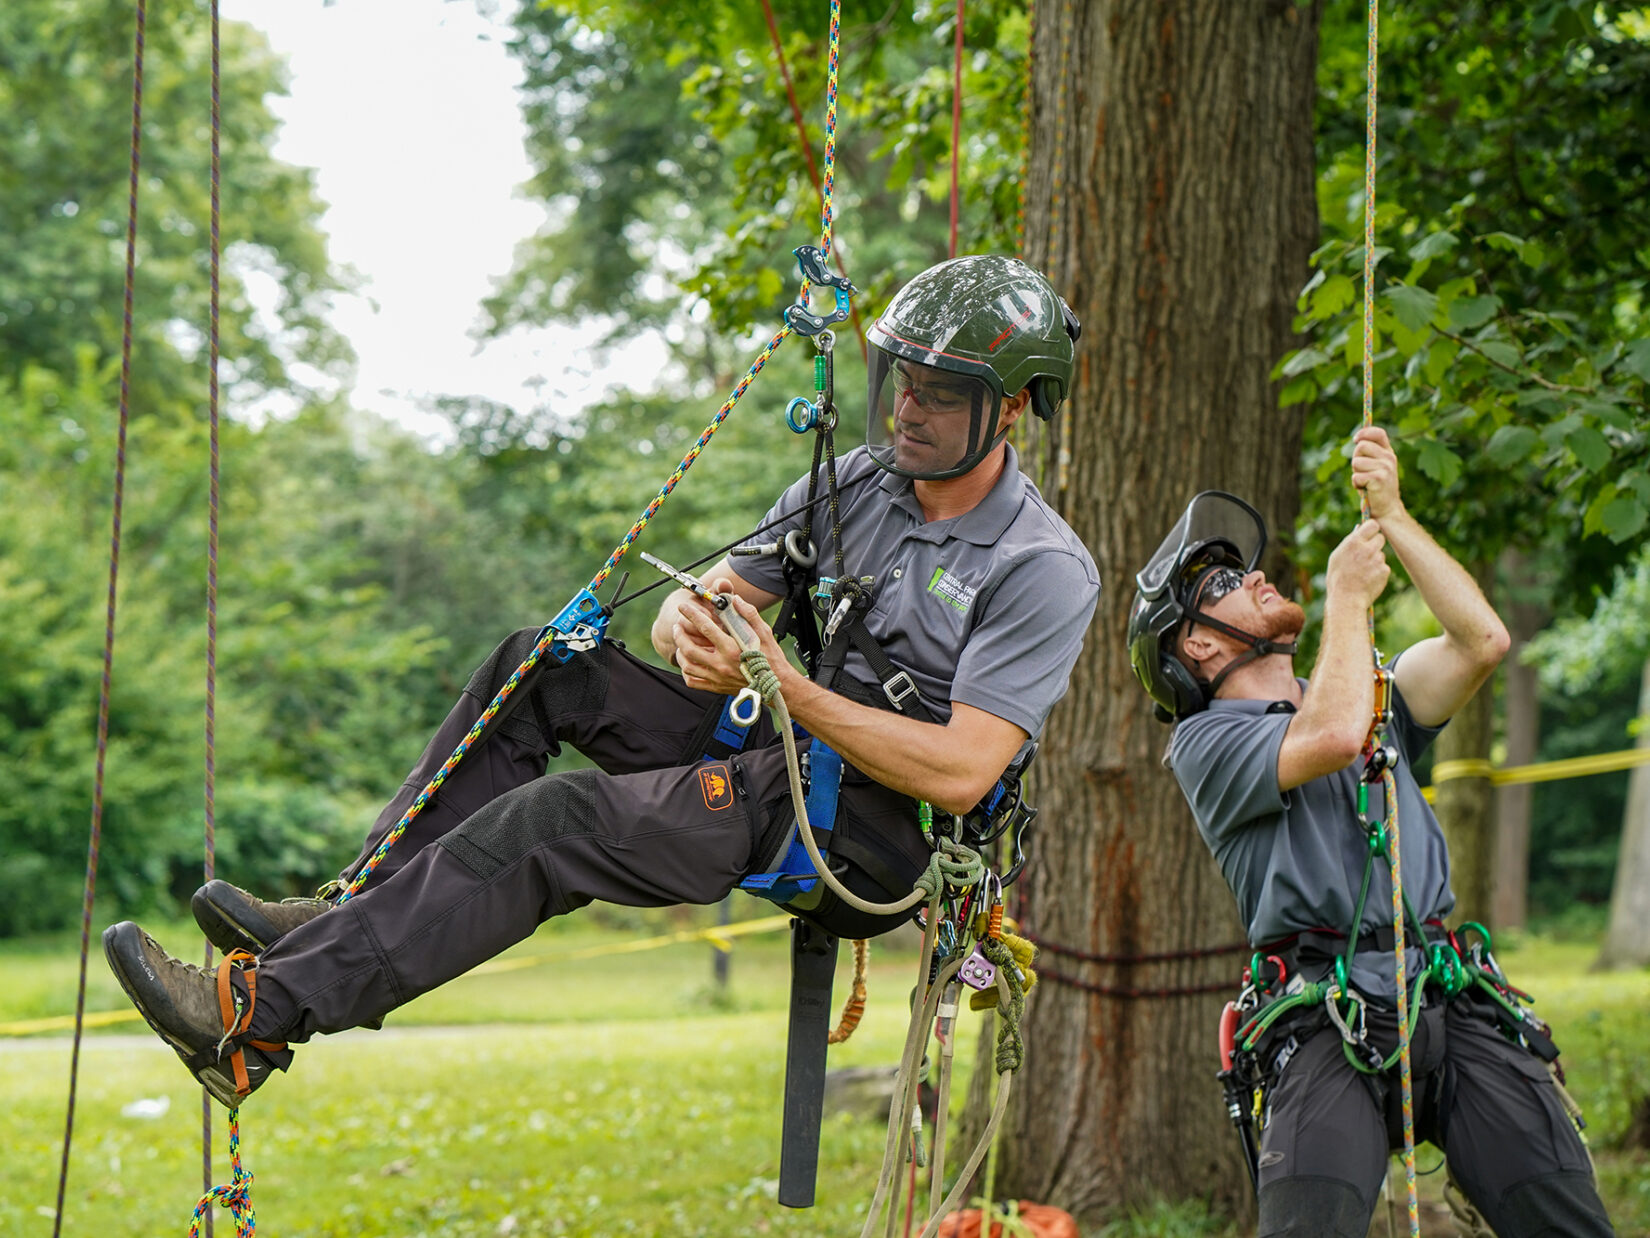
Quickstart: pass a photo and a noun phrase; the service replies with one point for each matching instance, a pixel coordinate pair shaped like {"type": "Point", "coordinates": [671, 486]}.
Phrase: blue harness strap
{"type": "Point", "coordinates": [727, 733]}
{"type": "Point", "coordinates": [795, 874]}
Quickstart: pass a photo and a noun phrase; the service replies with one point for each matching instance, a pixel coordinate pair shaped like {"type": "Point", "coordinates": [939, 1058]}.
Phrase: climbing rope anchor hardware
{"type": "Point", "coordinates": [747, 705]}
{"type": "Point", "coordinates": [810, 260]}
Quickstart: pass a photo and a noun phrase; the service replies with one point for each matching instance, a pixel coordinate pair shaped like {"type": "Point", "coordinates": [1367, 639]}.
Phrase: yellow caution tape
{"type": "Point", "coordinates": [720, 936]}
{"type": "Point", "coordinates": [1544, 771]}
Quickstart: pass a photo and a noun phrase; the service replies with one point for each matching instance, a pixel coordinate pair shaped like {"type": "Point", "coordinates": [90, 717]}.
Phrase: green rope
{"type": "Point", "coordinates": [759, 673]}
{"type": "Point", "coordinates": [1011, 1049]}
{"type": "Point", "coordinates": [951, 864]}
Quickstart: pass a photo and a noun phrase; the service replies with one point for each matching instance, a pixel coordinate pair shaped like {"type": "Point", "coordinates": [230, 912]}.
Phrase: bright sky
{"type": "Point", "coordinates": [407, 111]}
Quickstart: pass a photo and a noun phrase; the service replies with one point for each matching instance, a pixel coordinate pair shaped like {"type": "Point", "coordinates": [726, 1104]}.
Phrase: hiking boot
{"type": "Point", "coordinates": [202, 1015]}
{"type": "Point", "coordinates": [232, 919]}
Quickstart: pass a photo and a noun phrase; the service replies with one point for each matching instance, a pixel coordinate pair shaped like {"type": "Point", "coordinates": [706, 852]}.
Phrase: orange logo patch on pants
{"type": "Point", "coordinates": [717, 784]}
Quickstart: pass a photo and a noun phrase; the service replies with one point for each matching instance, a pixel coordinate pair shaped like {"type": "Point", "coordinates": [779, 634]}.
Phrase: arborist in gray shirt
{"type": "Point", "coordinates": [1287, 780]}
{"type": "Point", "coordinates": [954, 603]}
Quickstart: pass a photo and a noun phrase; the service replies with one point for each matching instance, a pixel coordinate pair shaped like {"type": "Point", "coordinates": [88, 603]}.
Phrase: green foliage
{"type": "Point", "coordinates": [65, 139]}
{"type": "Point", "coordinates": [1606, 649]}
{"type": "Point", "coordinates": [1510, 340]}
{"type": "Point", "coordinates": [665, 145]}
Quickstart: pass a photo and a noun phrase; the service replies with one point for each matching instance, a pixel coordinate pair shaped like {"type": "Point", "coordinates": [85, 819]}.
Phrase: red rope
{"type": "Point", "coordinates": [1102, 990]}
{"type": "Point", "coordinates": [790, 92]}
{"type": "Point", "coordinates": [95, 842]}
{"type": "Point", "coordinates": [956, 122]}
{"type": "Point", "coordinates": [215, 251]}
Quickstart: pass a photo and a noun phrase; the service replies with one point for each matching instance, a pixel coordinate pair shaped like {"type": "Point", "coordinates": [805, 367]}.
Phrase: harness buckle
{"type": "Point", "coordinates": [899, 688]}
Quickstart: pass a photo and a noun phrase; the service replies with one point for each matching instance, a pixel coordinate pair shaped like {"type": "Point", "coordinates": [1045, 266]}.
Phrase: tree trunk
{"type": "Point", "coordinates": [1627, 943]}
{"type": "Point", "coordinates": [1464, 804]}
{"type": "Point", "coordinates": [1521, 709]}
{"type": "Point", "coordinates": [1172, 202]}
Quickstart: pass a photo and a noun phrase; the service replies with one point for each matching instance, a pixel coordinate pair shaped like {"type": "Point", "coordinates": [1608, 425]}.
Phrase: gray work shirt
{"type": "Point", "coordinates": [1295, 859]}
{"type": "Point", "coordinates": [988, 608]}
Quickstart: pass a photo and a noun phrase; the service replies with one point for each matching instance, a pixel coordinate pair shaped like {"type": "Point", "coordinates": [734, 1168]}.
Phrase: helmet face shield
{"type": "Point", "coordinates": [929, 423]}
{"type": "Point", "coordinates": [1216, 529]}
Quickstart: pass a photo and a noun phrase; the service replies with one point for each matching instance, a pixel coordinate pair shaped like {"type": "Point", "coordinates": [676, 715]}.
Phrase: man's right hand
{"type": "Point", "coordinates": [1358, 569]}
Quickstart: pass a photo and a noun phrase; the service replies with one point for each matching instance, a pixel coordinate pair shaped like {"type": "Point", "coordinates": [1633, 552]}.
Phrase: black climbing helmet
{"type": "Point", "coordinates": [1217, 531]}
{"type": "Point", "coordinates": [955, 342]}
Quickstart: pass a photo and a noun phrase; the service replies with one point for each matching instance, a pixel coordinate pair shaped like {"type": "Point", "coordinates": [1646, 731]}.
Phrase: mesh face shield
{"type": "Point", "coordinates": [929, 423]}
{"type": "Point", "coordinates": [1215, 528]}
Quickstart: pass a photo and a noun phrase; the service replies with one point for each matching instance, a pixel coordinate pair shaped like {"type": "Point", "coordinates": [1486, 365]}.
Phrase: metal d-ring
{"type": "Point", "coordinates": [746, 708]}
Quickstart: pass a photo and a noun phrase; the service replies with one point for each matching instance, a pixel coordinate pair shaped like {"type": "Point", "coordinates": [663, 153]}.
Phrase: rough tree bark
{"type": "Point", "coordinates": [1627, 942]}
{"type": "Point", "coordinates": [1465, 804]}
{"type": "Point", "coordinates": [1521, 708]}
{"type": "Point", "coordinates": [1172, 202]}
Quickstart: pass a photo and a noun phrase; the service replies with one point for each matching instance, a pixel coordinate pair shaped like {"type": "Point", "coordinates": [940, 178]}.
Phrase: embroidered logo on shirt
{"type": "Point", "coordinates": [950, 590]}
{"type": "Point", "coordinates": [718, 791]}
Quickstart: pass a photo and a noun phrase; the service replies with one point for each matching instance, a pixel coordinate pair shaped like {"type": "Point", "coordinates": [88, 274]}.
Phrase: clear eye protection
{"type": "Point", "coordinates": [928, 423]}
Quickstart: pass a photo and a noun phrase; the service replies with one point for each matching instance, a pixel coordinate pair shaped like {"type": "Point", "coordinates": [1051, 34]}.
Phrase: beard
{"type": "Point", "coordinates": [1283, 622]}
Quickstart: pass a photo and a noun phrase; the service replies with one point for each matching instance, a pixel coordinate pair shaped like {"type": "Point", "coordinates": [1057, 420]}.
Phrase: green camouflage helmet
{"type": "Point", "coordinates": [963, 336]}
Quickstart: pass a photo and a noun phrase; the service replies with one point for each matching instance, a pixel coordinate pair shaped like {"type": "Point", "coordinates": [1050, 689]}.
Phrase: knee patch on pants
{"type": "Point", "coordinates": [577, 686]}
{"type": "Point", "coordinates": [1561, 1205]}
{"type": "Point", "coordinates": [1313, 1208]}
{"type": "Point", "coordinates": [503, 832]}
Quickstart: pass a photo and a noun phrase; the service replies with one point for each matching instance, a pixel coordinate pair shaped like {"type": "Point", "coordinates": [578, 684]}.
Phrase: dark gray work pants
{"type": "Point", "coordinates": [513, 847]}
{"type": "Point", "coordinates": [1487, 1103]}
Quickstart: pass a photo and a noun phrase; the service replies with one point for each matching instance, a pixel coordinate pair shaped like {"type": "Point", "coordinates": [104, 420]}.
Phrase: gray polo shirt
{"type": "Point", "coordinates": [1295, 859]}
{"type": "Point", "coordinates": [988, 608]}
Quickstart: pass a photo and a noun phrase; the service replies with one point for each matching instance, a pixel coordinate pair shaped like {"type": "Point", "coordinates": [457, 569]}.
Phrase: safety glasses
{"type": "Point", "coordinates": [1216, 585]}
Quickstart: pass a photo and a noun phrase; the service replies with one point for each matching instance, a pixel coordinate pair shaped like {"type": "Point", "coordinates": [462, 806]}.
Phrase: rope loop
{"type": "Point", "coordinates": [952, 864]}
{"type": "Point", "coordinates": [235, 1195]}
{"type": "Point", "coordinates": [1011, 1049]}
{"type": "Point", "coordinates": [759, 673]}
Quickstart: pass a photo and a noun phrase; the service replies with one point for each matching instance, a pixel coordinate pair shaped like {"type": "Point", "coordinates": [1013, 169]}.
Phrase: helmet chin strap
{"type": "Point", "coordinates": [1259, 647]}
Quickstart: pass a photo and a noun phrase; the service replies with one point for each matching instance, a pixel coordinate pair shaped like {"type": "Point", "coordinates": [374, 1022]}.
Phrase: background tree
{"type": "Point", "coordinates": [1178, 222]}
{"type": "Point", "coordinates": [1607, 652]}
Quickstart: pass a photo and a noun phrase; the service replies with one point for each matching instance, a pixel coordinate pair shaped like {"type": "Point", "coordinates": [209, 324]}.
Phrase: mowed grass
{"type": "Point", "coordinates": [611, 1094]}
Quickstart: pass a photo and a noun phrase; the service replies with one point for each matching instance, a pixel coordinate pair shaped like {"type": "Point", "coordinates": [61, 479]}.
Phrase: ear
{"type": "Point", "coordinates": [1013, 408]}
{"type": "Point", "coordinates": [1199, 646]}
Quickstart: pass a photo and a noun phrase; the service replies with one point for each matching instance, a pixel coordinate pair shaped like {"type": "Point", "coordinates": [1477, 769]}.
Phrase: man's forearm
{"type": "Point", "coordinates": [920, 759]}
{"type": "Point", "coordinates": [1446, 587]}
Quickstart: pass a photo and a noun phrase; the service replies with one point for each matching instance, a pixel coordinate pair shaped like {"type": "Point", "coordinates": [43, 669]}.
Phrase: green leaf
{"type": "Point", "coordinates": [1529, 252]}
{"type": "Point", "coordinates": [1501, 352]}
{"type": "Point", "coordinates": [1471, 312]}
{"type": "Point", "coordinates": [1438, 462]}
{"type": "Point", "coordinates": [1336, 293]}
{"type": "Point", "coordinates": [1590, 447]}
{"type": "Point", "coordinates": [1636, 359]}
{"type": "Point", "coordinates": [1413, 306]}
{"type": "Point", "coordinates": [1439, 358]}
{"type": "Point", "coordinates": [1611, 414]}
{"type": "Point", "coordinates": [1510, 444]}
{"type": "Point", "coordinates": [1299, 363]}
{"type": "Point", "coordinates": [1622, 518]}
{"type": "Point", "coordinates": [1297, 392]}
{"type": "Point", "coordinates": [1432, 245]}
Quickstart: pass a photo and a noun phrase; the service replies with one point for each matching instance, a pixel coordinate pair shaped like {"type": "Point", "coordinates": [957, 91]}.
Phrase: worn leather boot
{"type": "Point", "coordinates": [205, 1016]}
{"type": "Point", "coordinates": [232, 919]}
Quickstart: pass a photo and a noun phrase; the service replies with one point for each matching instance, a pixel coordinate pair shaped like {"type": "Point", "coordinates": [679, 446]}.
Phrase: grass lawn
{"type": "Point", "coordinates": [608, 1094]}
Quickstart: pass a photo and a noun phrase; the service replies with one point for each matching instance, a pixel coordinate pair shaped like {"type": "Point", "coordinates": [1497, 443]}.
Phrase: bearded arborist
{"type": "Point", "coordinates": [1270, 766]}
{"type": "Point", "coordinates": [949, 633]}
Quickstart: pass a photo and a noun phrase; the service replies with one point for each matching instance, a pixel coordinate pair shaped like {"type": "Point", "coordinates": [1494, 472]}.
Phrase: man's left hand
{"type": "Point", "coordinates": [706, 651]}
{"type": "Point", "coordinates": [1375, 472]}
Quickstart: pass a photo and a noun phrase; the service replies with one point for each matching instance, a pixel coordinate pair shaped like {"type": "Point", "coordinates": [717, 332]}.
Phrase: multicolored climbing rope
{"type": "Point", "coordinates": [235, 1195]}
{"type": "Point", "coordinates": [1388, 782]}
{"type": "Point", "coordinates": [584, 606]}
